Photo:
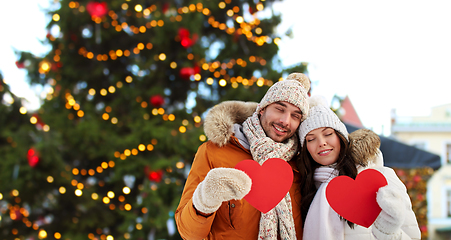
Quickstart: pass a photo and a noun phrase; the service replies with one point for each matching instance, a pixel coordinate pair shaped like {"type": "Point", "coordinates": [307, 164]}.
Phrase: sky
{"type": "Point", "coordinates": [23, 28]}
{"type": "Point", "coordinates": [383, 55]}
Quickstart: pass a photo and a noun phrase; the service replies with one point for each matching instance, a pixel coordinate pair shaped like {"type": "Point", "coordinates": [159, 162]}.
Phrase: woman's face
{"type": "Point", "coordinates": [323, 145]}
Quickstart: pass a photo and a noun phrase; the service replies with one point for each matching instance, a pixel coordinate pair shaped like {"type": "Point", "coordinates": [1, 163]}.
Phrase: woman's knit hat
{"type": "Point", "coordinates": [293, 90]}
{"type": "Point", "coordinates": [320, 115]}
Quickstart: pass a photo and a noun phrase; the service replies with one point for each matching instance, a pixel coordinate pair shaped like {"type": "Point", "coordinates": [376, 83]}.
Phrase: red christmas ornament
{"type": "Point", "coordinates": [420, 197]}
{"type": "Point", "coordinates": [185, 38]}
{"type": "Point", "coordinates": [165, 8]}
{"type": "Point", "coordinates": [156, 176]}
{"type": "Point", "coordinates": [417, 178]}
{"type": "Point", "coordinates": [424, 228]}
{"type": "Point", "coordinates": [183, 33]}
{"type": "Point", "coordinates": [186, 42]}
{"type": "Point", "coordinates": [196, 69]}
{"type": "Point", "coordinates": [187, 72]}
{"type": "Point", "coordinates": [20, 65]}
{"type": "Point", "coordinates": [97, 9]}
{"type": "Point", "coordinates": [400, 172]}
{"type": "Point", "coordinates": [54, 67]}
{"type": "Point", "coordinates": [15, 215]}
{"type": "Point", "coordinates": [157, 100]}
{"type": "Point", "coordinates": [33, 158]}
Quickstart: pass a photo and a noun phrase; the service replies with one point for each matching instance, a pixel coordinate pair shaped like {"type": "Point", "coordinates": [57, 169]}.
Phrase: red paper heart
{"type": "Point", "coordinates": [270, 182]}
{"type": "Point", "coordinates": [355, 200]}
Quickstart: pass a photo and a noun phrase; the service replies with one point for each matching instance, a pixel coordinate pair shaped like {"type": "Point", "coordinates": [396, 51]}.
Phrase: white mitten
{"type": "Point", "coordinates": [220, 184]}
{"type": "Point", "coordinates": [388, 224]}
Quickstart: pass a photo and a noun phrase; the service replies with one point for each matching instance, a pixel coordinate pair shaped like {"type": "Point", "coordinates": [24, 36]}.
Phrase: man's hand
{"type": "Point", "coordinates": [220, 184]}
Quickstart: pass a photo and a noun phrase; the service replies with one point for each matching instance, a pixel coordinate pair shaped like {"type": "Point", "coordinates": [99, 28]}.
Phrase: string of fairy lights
{"type": "Point", "coordinates": [217, 68]}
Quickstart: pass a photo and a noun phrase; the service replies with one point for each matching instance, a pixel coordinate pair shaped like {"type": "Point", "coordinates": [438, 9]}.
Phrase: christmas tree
{"type": "Point", "coordinates": [126, 85]}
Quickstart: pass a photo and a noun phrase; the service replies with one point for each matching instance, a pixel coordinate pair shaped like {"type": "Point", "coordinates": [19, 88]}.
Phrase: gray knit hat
{"type": "Point", "coordinates": [293, 90]}
{"type": "Point", "coordinates": [320, 115]}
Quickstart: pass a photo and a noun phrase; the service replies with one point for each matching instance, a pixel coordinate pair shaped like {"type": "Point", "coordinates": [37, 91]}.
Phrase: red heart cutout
{"type": "Point", "coordinates": [355, 200]}
{"type": "Point", "coordinates": [270, 182]}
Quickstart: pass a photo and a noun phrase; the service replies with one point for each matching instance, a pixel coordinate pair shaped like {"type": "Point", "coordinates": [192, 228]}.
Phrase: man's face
{"type": "Point", "coordinates": [280, 120]}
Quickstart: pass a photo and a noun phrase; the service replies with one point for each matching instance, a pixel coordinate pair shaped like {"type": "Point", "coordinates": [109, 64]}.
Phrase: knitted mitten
{"type": "Point", "coordinates": [388, 224]}
{"type": "Point", "coordinates": [220, 184]}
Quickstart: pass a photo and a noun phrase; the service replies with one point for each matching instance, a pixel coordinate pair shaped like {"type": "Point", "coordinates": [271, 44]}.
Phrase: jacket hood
{"type": "Point", "coordinates": [219, 121]}
{"type": "Point", "coordinates": [364, 148]}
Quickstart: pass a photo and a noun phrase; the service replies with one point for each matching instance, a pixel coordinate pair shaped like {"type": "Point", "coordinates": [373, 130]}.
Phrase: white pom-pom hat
{"type": "Point", "coordinates": [320, 115]}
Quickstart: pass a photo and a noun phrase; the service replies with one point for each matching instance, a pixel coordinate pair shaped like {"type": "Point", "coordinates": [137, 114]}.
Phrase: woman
{"type": "Point", "coordinates": [329, 151]}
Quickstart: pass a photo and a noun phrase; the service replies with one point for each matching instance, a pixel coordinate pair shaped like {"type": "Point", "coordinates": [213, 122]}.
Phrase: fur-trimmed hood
{"type": "Point", "coordinates": [364, 148]}
{"type": "Point", "coordinates": [218, 124]}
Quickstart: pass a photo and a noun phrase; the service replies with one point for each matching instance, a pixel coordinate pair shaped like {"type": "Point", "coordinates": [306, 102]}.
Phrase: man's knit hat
{"type": "Point", "coordinates": [293, 90]}
{"type": "Point", "coordinates": [320, 115]}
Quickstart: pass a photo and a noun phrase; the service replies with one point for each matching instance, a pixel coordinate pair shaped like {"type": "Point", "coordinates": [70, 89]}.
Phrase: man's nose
{"type": "Point", "coordinates": [285, 119]}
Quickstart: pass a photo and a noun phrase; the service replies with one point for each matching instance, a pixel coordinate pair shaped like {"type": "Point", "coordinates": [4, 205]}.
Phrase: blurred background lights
{"type": "Point", "coordinates": [202, 138]}
{"type": "Point", "coordinates": [15, 193]}
{"type": "Point", "coordinates": [42, 234]}
{"type": "Point", "coordinates": [57, 235]}
{"type": "Point", "coordinates": [50, 179]}
{"type": "Point", "coordinates": [78, 192]}
{"type": "Point", "coordinates": [94, 196]}
{"type": "Point", "coordinates": [180, 165]}
{"type": "Point", "coordinates": [110, 194]}
{"type": "Point", "coordinates": [23, 110]}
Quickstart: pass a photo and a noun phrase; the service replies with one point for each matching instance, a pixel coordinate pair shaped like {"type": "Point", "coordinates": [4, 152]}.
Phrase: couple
{"type": "Point", "coordinates": [211, 206]}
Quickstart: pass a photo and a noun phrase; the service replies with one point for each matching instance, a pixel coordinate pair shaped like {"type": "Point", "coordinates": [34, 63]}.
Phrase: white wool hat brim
{"type": "Point", "coordinates": [320, 115]}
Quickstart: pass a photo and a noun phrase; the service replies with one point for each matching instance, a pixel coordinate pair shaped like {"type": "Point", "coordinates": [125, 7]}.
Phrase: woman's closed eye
{"type": "Point", "coordinates": [328, 134]}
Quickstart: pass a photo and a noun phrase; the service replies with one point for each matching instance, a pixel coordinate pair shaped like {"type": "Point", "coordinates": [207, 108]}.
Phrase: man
{"type": "Point", "coordinates": [211, 206]}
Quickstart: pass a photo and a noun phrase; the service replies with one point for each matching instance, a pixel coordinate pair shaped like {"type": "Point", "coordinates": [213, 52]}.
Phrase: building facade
{"type": "Point", "coordinates": [433, 134]}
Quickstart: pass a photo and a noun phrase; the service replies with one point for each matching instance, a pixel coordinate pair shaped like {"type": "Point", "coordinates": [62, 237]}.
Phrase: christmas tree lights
{"type": "Point", "coordinates": [126, 84]}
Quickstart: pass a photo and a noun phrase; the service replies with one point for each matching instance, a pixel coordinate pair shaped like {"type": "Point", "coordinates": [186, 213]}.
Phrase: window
{"type": "Point", "coordinates": [448, 153]}
{"type": "Point", "coordinates": [448, 203]}
{"type": "Point", "coordinates": [420, 144]}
